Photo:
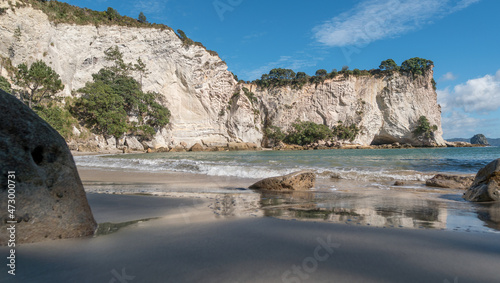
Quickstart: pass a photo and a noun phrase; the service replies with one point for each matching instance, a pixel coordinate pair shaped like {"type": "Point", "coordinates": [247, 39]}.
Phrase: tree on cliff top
{"type": "Point", "coordinates": [40, 79]}
{"type": "Point", "coordinates": [388, 65]}
{"type": "Point", "coordinates": [416, 66]}
{"type": "Point", "coordinates": [142, 18]}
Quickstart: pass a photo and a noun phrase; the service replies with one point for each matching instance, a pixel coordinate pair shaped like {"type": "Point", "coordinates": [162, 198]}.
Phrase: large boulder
{"type": "Point", "coordinates": [450, 181]}
{"type": "Point", "coordinates": [196, 148]}
{"type": "Point", "coordinates": [50, 202]}
{"type": "Point", "coordinates": [133, 144]}
{"type": "Point", "coordinates": [479, 139]}
{"type": "Point", "coordinates": [486, 185]}
{"type": "Point", "coordinates": [298, 181]}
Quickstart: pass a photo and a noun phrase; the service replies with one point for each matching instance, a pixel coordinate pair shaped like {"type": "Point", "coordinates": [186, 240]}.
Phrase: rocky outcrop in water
{"type": "Point", "coordinates": [479, 139]}
{"type": "Point", "coordinates": [50, 202]}
{"type": "Point", "coordinates": [298, 181]}
{"type": "Point", "coordinates": [486, 185]}
{"type": "Point", "coordinates": [450, 181]}
{"type": "Point", "coordinates": [208, 106]}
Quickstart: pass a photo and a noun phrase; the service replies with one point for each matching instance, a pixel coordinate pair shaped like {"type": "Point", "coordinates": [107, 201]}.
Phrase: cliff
{"type": "Point", "coordinates": [199, 90]}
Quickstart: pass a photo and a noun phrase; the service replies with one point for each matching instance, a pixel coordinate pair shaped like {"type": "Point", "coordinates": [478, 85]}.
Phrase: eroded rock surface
{"type": "Point", "coordinates": [298, 181]}
{"type": "Point", "coordinates": [50, 202]}
{"type": "Point", "coordinates": [486, 185]}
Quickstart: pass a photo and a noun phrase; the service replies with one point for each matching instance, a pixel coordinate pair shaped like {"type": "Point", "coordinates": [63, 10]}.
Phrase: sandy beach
{"type": "Point", "coordinates": [187, 237]}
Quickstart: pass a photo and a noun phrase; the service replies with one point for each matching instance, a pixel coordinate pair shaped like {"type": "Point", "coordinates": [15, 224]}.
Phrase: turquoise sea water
{"type": "Point", "coordinates": [382, 164]}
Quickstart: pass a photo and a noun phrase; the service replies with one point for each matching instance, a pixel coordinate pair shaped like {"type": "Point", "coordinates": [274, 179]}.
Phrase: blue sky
{"type": "Point", "coordinates": [254, 36]}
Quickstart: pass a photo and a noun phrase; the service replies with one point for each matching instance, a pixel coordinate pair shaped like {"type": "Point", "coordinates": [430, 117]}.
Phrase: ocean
{"type": "Point", "coordinates": [355, 187]}
{"type": "Point", "coordinates": [360, 164]}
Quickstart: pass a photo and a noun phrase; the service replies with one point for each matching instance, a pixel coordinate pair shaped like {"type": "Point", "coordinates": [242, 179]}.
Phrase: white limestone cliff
{"type": "Point", "coordinates": [198, 89]}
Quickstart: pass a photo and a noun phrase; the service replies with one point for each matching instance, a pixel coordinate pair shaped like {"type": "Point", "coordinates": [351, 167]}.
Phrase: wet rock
{"type": "Point", "coordinates": [399, 183]}
{"type": "Point", "coordinates": [50, 199]}
{"type": "Point", "coordinates": [298, 181]}
{"type": "Point", "coordinates": [486, 185]}
{"type": "Point", "coordinates": [450, 181]}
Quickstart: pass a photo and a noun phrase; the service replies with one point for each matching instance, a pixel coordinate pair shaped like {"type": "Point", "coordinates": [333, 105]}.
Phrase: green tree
{"type": "Point", "coordinates": [424, 128]}
{"type": "Point", "coordinates": [345, 132]}
{"type": "Point", "coordinates": [142, 18]}
{"type": "Point", "coordinates": [112, 14]}
{"type": "Point", "coordinates": [114, 95]}
{"type": "Point", "coordinates": [308, 132]}
{"type": "Point", "coordinates": [40, 79]}
{"type": "Point", "coordinates": [321, 73]}
{"type": "Point", "coordinates": [5, 85]}
{"type": "Point", "coordinates": [102, 109]}
{"type": "Point", "coordinates": [59, 118]}
{"type": "Point", "coordinates": [143, 71]}
{"type": "Point", "coordinates": [416, 66]}
{"type": "Point", "coordinates": [388, 65]}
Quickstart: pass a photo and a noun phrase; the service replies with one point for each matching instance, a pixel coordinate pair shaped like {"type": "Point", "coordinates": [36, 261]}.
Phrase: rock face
{"type": "Point", "coordinates": [450, 181]}
{"type": "Point", "coordinates": [486, 185]}
{"type": "Point", "coordinates": [208, 106]}
{"type": "Point", "coordinates": [49, 197]}
{"type": "Point", "coordinates": [479, 139]}
{"type": "Point", "coordinates": [298, 181]}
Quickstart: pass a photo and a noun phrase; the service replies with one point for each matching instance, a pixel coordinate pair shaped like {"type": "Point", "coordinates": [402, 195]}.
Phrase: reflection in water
{"type": "Point", "coordinates": [489, 213]}
{"type": "Point", "coordinates": [110, 228]}
{"type": "Point", "coordinates": [354, 208]}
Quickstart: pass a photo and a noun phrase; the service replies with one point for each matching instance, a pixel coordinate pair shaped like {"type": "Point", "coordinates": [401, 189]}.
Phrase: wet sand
{"type": "Point", "coordinates": [189, 238]}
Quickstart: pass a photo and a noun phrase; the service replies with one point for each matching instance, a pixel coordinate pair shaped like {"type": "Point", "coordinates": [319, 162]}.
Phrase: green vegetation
{"type": "Point", "coordinates": [114, 96]}
{"type": "Point", "coordinates": [274, 133]}
{"type": "Point", "coordinates": [5, 85]}
{"type": "Point", "coordinates": [59, 118]}
{"type": "Point", "coordinates": [424, 128]}
{"type": "Point", "coordinates": [304, 133]}
{"type": "Point", "coordinates": [142, 18]}
{"type": "Point", "coordinates": [308, 132]}
{"type": "Point", "coordinates": [60, 12]}
{"type": "Point", "coordinates": [416, 66]}
{"type": "Point", "coordinates": [345, 132]}
{"type": "Point", "coordinates": [40, 79]}
{"type": "Point", "coordinates": [388, 65]}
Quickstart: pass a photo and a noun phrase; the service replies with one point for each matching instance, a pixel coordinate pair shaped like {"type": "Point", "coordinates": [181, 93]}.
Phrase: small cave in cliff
{"type": "Point", "coordinates": [383, 139]}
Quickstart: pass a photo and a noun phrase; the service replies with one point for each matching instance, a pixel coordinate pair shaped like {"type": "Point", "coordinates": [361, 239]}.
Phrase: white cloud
{"type": "Point", "coordinates": [479, 95]}
{"type": "Point", "coordinates": [373, 20]}
{"type": "Point", "coordinates": [460, 125]}
{"type": "Point", "coordinates": [448, 77]}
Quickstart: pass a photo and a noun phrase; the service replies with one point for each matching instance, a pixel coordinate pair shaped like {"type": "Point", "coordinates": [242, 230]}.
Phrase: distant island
{"type": "Point", "coordinates": [491, 141]}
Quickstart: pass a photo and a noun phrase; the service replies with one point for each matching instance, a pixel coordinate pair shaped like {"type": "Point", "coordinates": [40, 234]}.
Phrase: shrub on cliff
{"type": "Point", "coordinates": [424, 128]}
{"type": "Point", "coordinates": [388, 65]}
{"type": "Point", "coordinates": [5, 85]}
{"type": "Point", "coordinates": [308, 132]}
{"type": "Point", "coordinates": [345, 132]}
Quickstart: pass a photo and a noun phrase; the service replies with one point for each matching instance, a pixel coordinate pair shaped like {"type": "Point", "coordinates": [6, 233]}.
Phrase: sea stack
{"type": "Point", "coordinates": [38, 173]}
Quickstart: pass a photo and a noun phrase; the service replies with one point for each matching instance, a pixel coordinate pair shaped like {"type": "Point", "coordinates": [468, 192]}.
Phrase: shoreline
{"type": "Point", "coordinates": [245, 147]}
{"type": "Point", "coordinates": [186, 242]}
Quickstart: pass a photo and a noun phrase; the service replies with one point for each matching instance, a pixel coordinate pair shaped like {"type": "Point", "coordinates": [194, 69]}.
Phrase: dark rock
{"type": "Point", "coordinates": [399, 183]}
{"type": "Point", "coordinates": [479, 139]}
{"type": "Point", "coordinates": [450, 181]}
{"type": "Point", "coordinates": [49, 197]}
{"type": "Point", "coordinates": [486, 185]}
{"type": "Point", "coordinates": [298, 181]}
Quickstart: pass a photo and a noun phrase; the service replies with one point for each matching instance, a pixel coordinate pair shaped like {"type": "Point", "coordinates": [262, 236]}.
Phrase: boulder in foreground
{"type": "Point", "coordinates": [50, 202]}
{"type": "Point", "coordinates": [486, 185]}
{"type": "Point", "coordinates": [450, 181]}
{"type": "Point", "coordinates": [298, 181]}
